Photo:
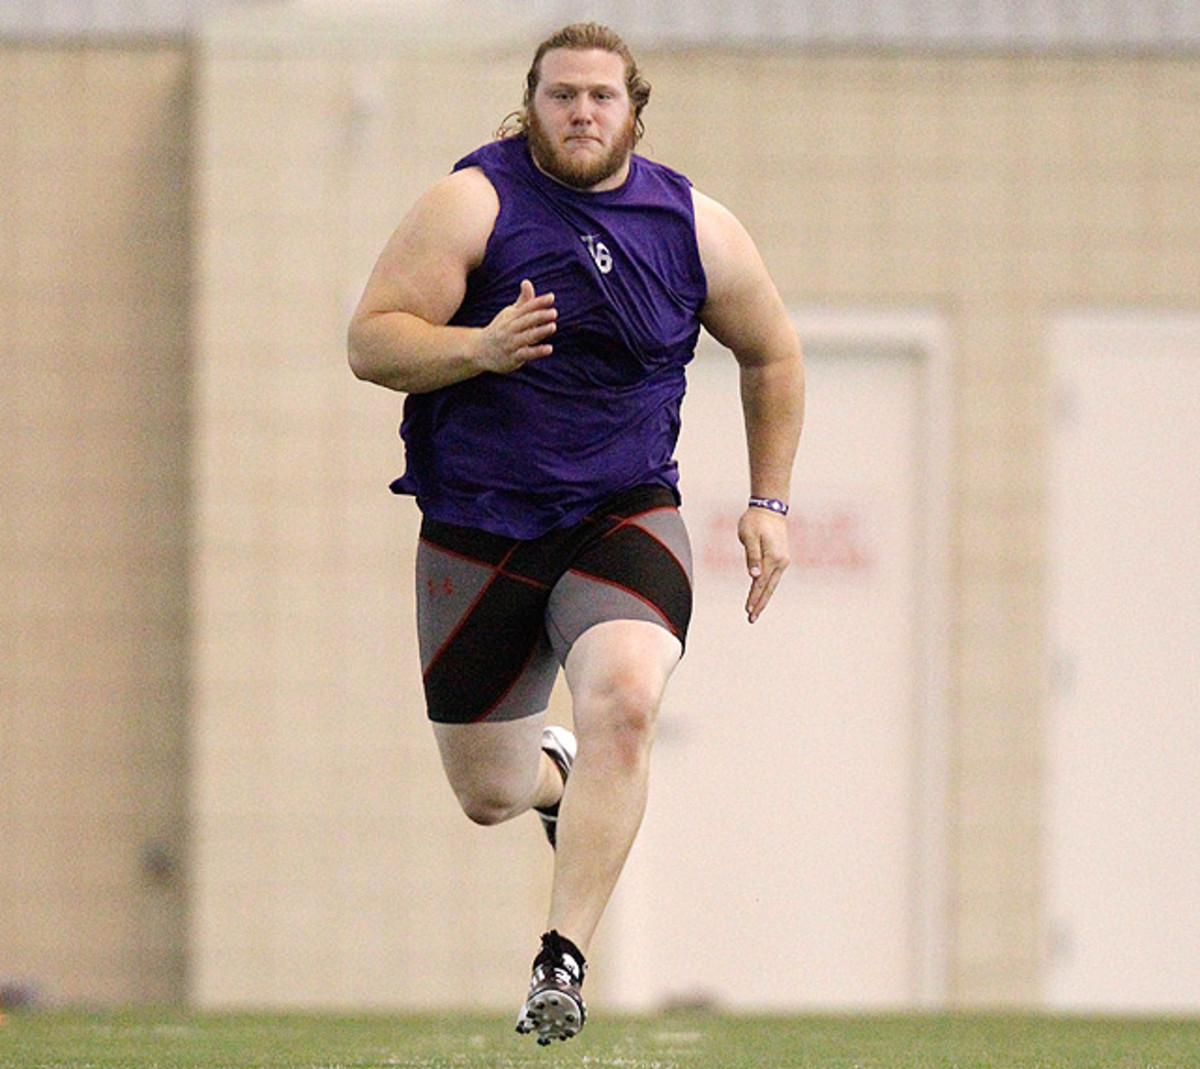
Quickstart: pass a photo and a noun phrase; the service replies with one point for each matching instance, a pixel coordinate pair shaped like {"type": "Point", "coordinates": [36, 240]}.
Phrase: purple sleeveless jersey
{"type": "Point", "coordinates": [524, 453]}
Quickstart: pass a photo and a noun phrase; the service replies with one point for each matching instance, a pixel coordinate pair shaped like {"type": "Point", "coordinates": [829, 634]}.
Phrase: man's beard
{"type": "Point", "coordinates": [579, 173]}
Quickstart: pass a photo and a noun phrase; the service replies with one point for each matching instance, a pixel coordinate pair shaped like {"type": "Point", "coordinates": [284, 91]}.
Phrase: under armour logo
{"type": "Point", "coordinates": [600, 253]}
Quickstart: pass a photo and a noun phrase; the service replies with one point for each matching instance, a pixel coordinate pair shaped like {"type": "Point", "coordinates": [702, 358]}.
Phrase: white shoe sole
{"type": "Point", "coordinates": [552, 1015]}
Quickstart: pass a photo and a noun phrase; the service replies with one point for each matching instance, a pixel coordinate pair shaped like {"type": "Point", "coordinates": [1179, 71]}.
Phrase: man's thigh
{"type": "Point", "coordinates": [640, 568]}
{"type": "Point", "coordinates": [484, 651]}
{"type": "Point", "coordinates": [492, 762]}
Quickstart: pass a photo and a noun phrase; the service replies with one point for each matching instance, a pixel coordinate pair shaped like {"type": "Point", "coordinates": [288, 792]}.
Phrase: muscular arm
{"type": "Point", "coordinates": [744, 313]}
{"type": "Point", "coordinates": [398, 335]}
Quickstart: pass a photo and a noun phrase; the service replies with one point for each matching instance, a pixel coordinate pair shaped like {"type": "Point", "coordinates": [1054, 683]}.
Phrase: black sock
{"type": "Point", "coordinates": [558, 948]}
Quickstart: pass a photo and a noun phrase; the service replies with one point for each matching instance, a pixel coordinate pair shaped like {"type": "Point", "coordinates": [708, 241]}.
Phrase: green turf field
{"type": "Point", "coordinates": [163, 1040]}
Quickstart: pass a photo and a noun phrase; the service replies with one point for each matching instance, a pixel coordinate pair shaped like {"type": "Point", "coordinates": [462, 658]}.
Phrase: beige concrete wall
{"type": "Point", "coordinates": [330, 865]}
{"type": "Point", "coordinates": [94, 270]}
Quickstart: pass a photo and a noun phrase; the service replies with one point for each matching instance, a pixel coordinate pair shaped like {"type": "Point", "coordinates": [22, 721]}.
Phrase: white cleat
{"type": "Point", "coordinates": [561, 746]}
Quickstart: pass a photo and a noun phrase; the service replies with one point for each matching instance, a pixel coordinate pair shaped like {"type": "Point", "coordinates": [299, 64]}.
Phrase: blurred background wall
{"type": "Point", "coordinates": [95, 155]}
{"type": "Point", "coordinates": [215, 779]}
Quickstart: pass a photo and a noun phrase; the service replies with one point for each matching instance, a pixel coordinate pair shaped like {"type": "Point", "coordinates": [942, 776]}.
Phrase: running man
{"type": "Point", "coordinates": [538, 306]}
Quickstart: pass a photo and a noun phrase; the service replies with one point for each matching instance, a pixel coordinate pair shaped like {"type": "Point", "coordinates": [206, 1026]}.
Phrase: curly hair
{"type": "Point", "coordinates": [581, 36]}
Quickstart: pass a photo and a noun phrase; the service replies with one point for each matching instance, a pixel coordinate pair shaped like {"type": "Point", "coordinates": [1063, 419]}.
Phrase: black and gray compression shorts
{"type": "Point", "coordinates": [496, 616]}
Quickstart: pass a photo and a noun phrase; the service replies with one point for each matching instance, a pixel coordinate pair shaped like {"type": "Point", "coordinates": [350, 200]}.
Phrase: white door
{"type": "Point", "coordinates": [776, 865]}
{"type": "Point", "coordinates": [1123, 805]}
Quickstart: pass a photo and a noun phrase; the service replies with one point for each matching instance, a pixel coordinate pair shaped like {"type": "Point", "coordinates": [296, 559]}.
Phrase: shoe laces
{"type": "Point", "coordinates": [564, 972]}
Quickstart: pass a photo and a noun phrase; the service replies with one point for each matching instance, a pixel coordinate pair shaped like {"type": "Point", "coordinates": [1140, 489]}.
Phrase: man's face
{"type": "Point", "coordinates": [580, 123]}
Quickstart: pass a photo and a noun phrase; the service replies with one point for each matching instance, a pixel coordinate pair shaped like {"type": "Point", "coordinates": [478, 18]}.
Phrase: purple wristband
{"type": "Point", "coordinates": [771, 504]}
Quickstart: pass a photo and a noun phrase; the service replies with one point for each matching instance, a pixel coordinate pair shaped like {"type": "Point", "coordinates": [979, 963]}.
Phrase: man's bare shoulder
{"type": "Point", "coordinates": [450, 221]}
{"type": "Point", "coordinates": [464, 198]}
{"type": "Point", "coordinates": [716, 226]}
{"type": "Point", "coordinates": [466, 182]}
{"type": "Point", "coordinates": [726, 248]}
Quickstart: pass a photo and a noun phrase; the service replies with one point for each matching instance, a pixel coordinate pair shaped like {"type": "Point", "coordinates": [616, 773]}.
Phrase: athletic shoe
{"type": "Point", "coordinates": [555, 1007]}
{"type": "Point", "coordinates": [560, 744]}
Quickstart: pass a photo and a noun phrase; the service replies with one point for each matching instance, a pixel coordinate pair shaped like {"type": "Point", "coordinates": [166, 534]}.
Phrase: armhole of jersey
{"type": "Point", "coordinates": [703, 274]}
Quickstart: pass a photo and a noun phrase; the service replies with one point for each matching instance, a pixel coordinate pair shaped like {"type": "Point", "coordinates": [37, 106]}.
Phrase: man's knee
{"type": "Point", "coordinates": [489, 804]}
{"type": "Point", "coordinates": [492, 768]}
{"type": "Point", "coordinates": [620, 716]}
{"type": "Point", "coordinates": [618, 673]}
